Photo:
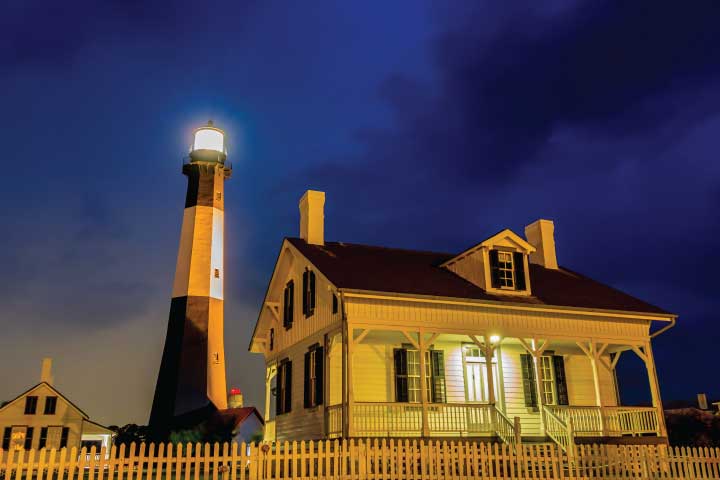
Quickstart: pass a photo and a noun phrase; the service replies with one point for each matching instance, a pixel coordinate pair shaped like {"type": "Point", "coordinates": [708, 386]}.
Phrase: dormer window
{"type": "Point", "coordinates": [507, 270]}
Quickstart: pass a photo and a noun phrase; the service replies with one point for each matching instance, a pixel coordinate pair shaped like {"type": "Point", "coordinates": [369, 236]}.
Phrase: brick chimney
{"type": "Point", "coordinates": [312, 217]}
{"type": "Point", "coordinates": [540, 234]}
{"type": "Point", "coordinates": [46, 371]}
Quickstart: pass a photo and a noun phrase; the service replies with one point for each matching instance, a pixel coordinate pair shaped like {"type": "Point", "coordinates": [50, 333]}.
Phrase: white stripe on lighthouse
{"type": "Point", "coordinates": [200, 254]}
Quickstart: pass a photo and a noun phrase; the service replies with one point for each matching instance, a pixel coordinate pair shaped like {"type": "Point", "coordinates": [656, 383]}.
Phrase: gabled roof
{"type": "Point", "coordinates": [57, 392]}
{"type": "Point", "coordinates": [505, 234]}
{"type": "Point", "coordinates": [236, 416]}
{"type": "Point", "coordinates": [392, 270]}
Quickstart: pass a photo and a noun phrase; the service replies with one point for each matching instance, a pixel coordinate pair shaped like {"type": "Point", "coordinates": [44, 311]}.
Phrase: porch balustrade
{"type": "Point", "coordinates": [390, 419]}
{"type": "Point", "coordinates": [602, 421]}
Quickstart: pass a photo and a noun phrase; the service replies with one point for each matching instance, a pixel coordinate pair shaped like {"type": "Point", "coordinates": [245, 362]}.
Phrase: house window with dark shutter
{"type": "Point", "coordinates": [284, 388]}
{"type": "Point", "coordinates": [31, 404]}
{"type": "Point", "coordinates": [64, 437]}
{"type": "Point", "coordinates": [548, 380]}
{"type": "Point", "coordinates": [308, 293]}
{"type": "Point", "coordinates": [507, 270]}
{"type": "Point", "coordinates": [313, 377]}
{"type": "Point", "coordinates": [29, 438]}
{"type": "Point", "coordinates": [7, 435]}
{"type": "Point", "coordinates": [288, 299]}
{"type": "Point", "coordinates": [50, 405]}
{"type": "Point", "coordinates": [528, 380]}
{"type": "Point", "coordinates": [407, 376]}
{"type": "Point", "coordinates": [43, 437]}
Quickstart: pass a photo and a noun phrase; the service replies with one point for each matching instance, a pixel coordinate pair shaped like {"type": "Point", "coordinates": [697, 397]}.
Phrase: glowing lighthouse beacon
{"type": "Point", "coordinates": [191, 383]}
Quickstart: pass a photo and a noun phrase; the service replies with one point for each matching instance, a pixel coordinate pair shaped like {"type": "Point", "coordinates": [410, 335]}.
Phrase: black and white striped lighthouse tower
{"type": "Point", "coordinates": [191, 383]}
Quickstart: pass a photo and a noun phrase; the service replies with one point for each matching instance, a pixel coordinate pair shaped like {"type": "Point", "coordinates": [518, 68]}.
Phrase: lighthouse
{"type": "Point", "coordinates": [191, 382]}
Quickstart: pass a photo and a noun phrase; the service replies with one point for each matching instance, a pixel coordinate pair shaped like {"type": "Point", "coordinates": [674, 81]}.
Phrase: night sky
{"type": "Point", "coordinates": [430, 125]}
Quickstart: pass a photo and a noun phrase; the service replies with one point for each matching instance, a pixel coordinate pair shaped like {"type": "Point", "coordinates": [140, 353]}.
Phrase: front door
{"type": "Point", "coordinates": [476, 389]}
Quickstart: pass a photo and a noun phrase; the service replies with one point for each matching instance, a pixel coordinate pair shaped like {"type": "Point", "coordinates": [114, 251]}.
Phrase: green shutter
{"type": "Point", "coordinates": [437, 369]}
{"type": "Point", "coordinates": [401, 381]}
{"type": "Point", "coordinates": [288, 387]}
{"type": "Point", "coordinates": [319, 377]}
{"type": "Point", "coordinates": [305, 293]}
{"type": "Point", "coordinates": [528, 379]}
{"type": "Point", "coordinates": [560, 380]}
{"type": "Point", "coordinates": [311, 293]}
{"type": "Point", "coordinates": [519, 264]}
{"type": "Point", "coordinates": [494, 269]}
{"type": "Point", "coordinates": [306, 381]}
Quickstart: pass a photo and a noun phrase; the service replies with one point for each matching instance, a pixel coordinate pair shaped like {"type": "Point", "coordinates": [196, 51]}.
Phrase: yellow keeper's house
{"type": "Point", "coordinates": [496, 342]}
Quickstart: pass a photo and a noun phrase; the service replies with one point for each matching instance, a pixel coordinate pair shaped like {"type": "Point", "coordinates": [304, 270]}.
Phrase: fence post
{"type": "Point", "coordinates": [517, 430]}
{"type": "Point", "coordinates": [571, 438]}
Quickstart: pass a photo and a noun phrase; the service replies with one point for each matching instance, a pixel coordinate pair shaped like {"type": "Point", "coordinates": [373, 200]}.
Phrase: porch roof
{"type": "Point", "coordinates": [382, 269]}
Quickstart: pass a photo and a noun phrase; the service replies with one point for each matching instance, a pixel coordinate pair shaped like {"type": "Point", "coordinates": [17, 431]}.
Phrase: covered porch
{"type": "Point", "coordinates": [532, 388]}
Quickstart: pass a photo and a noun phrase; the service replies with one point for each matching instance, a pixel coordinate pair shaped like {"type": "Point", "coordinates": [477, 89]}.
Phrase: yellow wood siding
{"type": "Point", "coordinates": [514, 393]}
{"type": "Point", "coordinates": [581, 386]}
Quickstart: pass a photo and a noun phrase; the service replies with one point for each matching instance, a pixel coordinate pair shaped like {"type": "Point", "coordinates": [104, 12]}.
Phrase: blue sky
{"type": "Point", "coordinates": [429, 125]}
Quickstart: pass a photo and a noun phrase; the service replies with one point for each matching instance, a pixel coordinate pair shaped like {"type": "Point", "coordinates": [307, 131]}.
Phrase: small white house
{"type": "Point", "coordinates": [42, 417]}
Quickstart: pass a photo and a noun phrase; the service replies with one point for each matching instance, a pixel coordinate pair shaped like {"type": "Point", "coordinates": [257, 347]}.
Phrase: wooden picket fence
{"type": "Point", "coordinates": [376, 459]}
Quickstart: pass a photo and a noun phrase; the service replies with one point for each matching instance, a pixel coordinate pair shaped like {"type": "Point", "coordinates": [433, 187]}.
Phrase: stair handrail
{"type": "Point", "coordinates": [506, 428]}
{"type": "Point", "coordinates": [560, 432]}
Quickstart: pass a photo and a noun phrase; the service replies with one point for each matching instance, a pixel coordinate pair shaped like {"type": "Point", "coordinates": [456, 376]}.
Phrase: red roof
{"type": "Point", "coordinates": [236, 416]}
{"type": "Point", "coordinates": [393, 270]}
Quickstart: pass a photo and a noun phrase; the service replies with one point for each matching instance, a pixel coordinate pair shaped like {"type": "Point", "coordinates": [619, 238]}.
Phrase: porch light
{"type": "Point", "coordinates": [494, 339]}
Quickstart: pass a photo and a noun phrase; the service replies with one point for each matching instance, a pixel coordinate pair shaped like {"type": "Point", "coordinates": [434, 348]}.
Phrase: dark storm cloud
{"type": "Point", "coordinates": [602, 115]}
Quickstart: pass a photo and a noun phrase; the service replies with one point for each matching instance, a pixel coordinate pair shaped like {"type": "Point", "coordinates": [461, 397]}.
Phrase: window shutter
{"type": "Point", "coordinates": [306, 381]}
{"type": "Point", "coordinates": [528, 379]}
{"type": "Point", "coordinates": [560, 380]}
{"type": "Point", "coordinates": [519, 264]}
{"type": "Point", "coordinates": [43, 438]}
{"type": "Point", "coordinates": [305, 306]}
{"type": "Point", "coordinates": [272, 338]}
{"type": "Point", "coordinates": [64, 437]}
{"type": "Point", "coordinates": [401, 381]}
{"type": "Point", "coordinates": [319, 378]}
{"type": "Point", "coordinates": [311, 301]}
{"type": "Point", "coordinates": [334, 303]}
{"type": "Point", "coordinates": [494, 269]}
{"type": "Point", "coordinates": [29, 438]}
{"type": "Point", "coordinates": [7, 433]}
{"type": "Point", "coordinates": [288, 387]}
{"type": "Point", "coordinates": [288, 305]}
{"type": "Point", "coordinates": [279, 390]}
{"type": "Point", "coordinates": [437, 368]}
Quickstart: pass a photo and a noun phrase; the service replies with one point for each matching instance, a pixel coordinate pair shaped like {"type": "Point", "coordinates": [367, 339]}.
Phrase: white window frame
{"type": "Point", "coordinates": [548, 379]}
{"type": "Point", "coordinates": [506, 270]}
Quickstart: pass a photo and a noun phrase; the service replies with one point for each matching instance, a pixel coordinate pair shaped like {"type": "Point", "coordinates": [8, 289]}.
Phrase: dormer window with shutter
{"type": "Point", "coordinates": [498, 265]}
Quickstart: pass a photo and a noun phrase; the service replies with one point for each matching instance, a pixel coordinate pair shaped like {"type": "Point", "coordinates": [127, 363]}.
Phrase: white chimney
{"type": "Point", "coordinates": [46, 371]}
{"type": "Point", "coordinates": [312, 217]}
{"type": "Point", "coordinates": [540, 234]}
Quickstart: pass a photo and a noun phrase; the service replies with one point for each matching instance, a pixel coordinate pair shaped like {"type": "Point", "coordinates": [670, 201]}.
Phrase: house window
{"type": "Point", "coordinates": [64, 437]}
{"type": "Point", "coordinates": [548, 379]}
{"type": "Point", "coordinates": [31, 404]}
{"type": "Point", "coordinates": [284, 388]}
{"type": "Point", "coordinates": [50, 405]}
{"type": "Point", "coordinates": [29, 438]}
{"type": "Point", "coordinates": [308, 287]}
{"type": "Point", "coordinates": [7, 434]}
{"type": "Point", "coordinates": [217, 273]}
{"type": "Point", "coordinates": [335, 304]}
{"type": "Point", "coordinates": [288, 300]}
{"type": "Point", "coordinates": [507, 270]}
{"type": "Point", "coordinates": [313, 377]}
{"type": "Point", "coordinates": [407, 376]}
{"type": "Point", "coordinates": [554, 381]}
{"type": "Point", "coordinates": [42, 441]}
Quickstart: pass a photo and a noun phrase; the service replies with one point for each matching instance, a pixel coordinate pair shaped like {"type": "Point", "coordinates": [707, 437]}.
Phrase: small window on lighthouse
{"type": "Point", "coordinates": [217, 273]}
{"type": "Point", "coordinates": [216, 357]}
{"type": "Point", "coordinates": [218, 196]}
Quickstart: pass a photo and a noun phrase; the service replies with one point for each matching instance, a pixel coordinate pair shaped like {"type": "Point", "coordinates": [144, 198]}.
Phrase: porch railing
{"type": "Point", "coordinates": [333, 421]}
{"type": "Point", "coordinates": [608, 421]}
{"type": "Point", "coordinates": [389, 419]}
{"type": "Point", "coordinates": [558, 427]}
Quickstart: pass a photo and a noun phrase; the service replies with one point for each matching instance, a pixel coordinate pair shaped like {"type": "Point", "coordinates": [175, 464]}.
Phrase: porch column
{"type": "Point", "coordinates": [646, 356]}
{"type": "Point", "coordinates": [270, 372]}
{"type": "Point", "coordinates": [536, 350]}
{"type": "Point", "coordinates": [594, 353]}
{"type": "Point", "coordinates": [488, 350]}
{"type": "Point", "coordinates": [422, 348]}
{"type": "Point", "coordinates": [348, 354]}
